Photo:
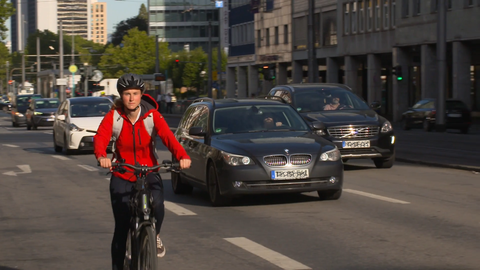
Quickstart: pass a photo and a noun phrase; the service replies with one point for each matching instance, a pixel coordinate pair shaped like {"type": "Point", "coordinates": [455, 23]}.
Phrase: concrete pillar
{"type": "Point", "coordinates": [374, 81]}
{"type": "Point", "coordinates": [400, 88]}
{"type": "Point", "coordinates": [332, 70]}
{"type": "Point", "coordinates": [253, 80]}
{"type": "Point", "coordinates": [429, 72]}
{"type": "Point", "coordinates": [266, 87]}
{"type": "Point", "coordinates": [351, 74]}
{"type": "Point", "coordinates": [231, 85]}
{"type": "Point", "coordinates": [297, 72]}
{"type": "Point", "coordinates": [242, 82]}
{"type": "Point", "coordinates": [282, 76]}
{"type": "Point", "coordinates": [477, 88]}
{"type": "Point", "coordinates": [461, 73]}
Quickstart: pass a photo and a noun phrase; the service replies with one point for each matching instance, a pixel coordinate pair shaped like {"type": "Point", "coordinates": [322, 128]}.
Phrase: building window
{"type": "Point", "coordinates": [276, 35]}
{"type": "Point", "coordinates": [346, 18]}
{"type": "Point", "coordinates": [361, 16]}
{"type": "Point", "coordinates": [285, 34]}
{"type": "Point", "coordinates": [394, 14]}
{"type": "Point", "coordinates": [354, 17]}
{"type": "Point", "coordinates": [386, 17]}
{"type": "Point", "coordinates": [259, 38]}
{"type": "Point", "coordinates": [406, 8]}
{"type": "Point", "coordinates": [267, 36]}
{"type": "Point", "coordinates": [369, 15]}
{"type": "Point", "coordinates": [416, 7]}
{"type": "Point", "coordinates": [378, 15]}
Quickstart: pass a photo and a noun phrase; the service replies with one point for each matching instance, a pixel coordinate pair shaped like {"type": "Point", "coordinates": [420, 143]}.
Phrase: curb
{"type": "Point", "coordinates": [442, 165]}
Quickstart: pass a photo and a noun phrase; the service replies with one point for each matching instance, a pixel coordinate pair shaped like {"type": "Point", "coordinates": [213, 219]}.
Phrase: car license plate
{"type": "Point", "coordinates": [289, 174]}
{"type": "Point", "coordinates": [356, 144]}
{"type": "Point", "coordinates": [50, 119]}
{"type": "Point", "coordinates": [454, 115]}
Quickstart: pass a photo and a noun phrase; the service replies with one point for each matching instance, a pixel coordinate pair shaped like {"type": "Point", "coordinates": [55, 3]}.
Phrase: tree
{"type": "Point", "coordinates": [133, 55]}
{"type": "Point", "coordinates": [121, 29]}
{"type": "Point", "coordinates": [6, 11]}
{"type": "Point", "coordinates": [4, 57]}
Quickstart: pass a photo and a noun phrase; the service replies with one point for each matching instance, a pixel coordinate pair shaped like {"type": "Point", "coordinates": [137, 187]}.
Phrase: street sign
{"type": "Point", "coordinates": [214, 75]}
{"type": "Point", "coordinates": [72, 68]}
{"type": "Point", "coordinates": [61, 81]}
{"type": "Point", "coordinates": [10, 81]}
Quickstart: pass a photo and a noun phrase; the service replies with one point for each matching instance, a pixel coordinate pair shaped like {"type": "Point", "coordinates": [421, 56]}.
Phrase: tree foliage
{"type": "Point", "coordinates": [6, 11]}
{"type": "Point", "coordinates": [121, 29]}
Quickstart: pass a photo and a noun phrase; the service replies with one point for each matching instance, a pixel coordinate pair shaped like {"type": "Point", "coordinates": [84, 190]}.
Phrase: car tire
{"type": "Point", "coordinates": [427, 126]}
{"type": "Point", "coordinates": [65, 145]}
{"type": "Point", "coordinates": [405, 125]}
{"type": "Point", "coordinates": [177, 185]}
{"type": "Point", "coordinates": [384, 163]}
{"type": "Point", "coordinates": [216, 199]}
{"type": "Point", "coordinates": [29, 127]}
{"type": "Point", "coordinates": [329, 195]}
{"type": "Point", "coordinates": [58, 149]}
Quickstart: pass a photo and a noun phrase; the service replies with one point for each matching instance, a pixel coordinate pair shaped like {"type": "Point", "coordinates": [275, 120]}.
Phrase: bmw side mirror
{"type": "Point", "coordinates": [197, 131]}
{"type": "Point", "coordinates": [376, 105]}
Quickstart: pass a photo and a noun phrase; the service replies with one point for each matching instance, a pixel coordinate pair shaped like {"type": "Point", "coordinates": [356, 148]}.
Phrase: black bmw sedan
{"type": "Point", "coordinates": [352, 125]}
{"type": "Point", "coordinates": [249, 146]}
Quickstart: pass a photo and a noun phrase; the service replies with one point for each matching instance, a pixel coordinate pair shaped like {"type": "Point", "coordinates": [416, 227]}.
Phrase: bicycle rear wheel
{"type": "Point", "coordinates": [147, 255]}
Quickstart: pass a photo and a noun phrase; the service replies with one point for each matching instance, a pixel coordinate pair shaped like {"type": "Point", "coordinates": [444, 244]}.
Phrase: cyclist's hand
{"type": "Point", "coordinates": [185, 163]}
{"type": "Point", "coordinates": [105, 162]}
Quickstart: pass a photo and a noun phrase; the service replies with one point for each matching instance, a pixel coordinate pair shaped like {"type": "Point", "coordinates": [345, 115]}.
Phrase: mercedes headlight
{"type": "Point", "coordinates": [386, 127]}
{"type": "Point", "coordinates": [332, 155]}
{"type": "Point", "coordinates": [236, 160]}
{"type": "Point", "coordinates": [74, 127]}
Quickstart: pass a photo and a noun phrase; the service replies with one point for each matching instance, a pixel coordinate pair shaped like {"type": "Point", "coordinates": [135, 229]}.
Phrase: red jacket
{"type": "Point", "coordinates": [134, 144]}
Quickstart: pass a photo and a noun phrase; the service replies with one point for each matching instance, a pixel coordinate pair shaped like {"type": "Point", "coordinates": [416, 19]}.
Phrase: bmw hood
{"type": "Point", "coordinates": [88, 123]}
{"type": "Point", "coordinates": [353, 117]}
{"type": "Point", "coordinates": [269, 143]}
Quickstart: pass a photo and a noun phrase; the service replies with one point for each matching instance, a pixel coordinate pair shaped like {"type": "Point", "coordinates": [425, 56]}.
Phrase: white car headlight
{"type": "Point", "coordinates": [236, 160]}
{"type": "Point", "coordinates": [73, 127]}
{"type": "Point", "coordinates": [332, 155]}
{"type": "Point", "coordinates": [19, 114]}
{"type": "Point", "coordinates": [386, 127]}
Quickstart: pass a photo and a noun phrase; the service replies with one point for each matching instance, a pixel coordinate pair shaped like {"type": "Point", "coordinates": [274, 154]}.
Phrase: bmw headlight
{"type": "Point", "coordinates": [236, 160]}
{"type": "Point", "coordinates": [19, 114]}
{"type": "Point", "coordinates": [386, 127]}
{"type": "Point", "coordinates": [332, 155]}
{"type": "Point", "coordinates": [74, 127]}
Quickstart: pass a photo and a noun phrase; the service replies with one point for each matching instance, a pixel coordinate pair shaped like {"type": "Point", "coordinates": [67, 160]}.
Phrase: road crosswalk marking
{"type": "Point", "coordinates": [88, 168]}
{"type": "Point", "coordinates": [177, 209]}
{"type": "Point", "coordinates": [61, 157]}
{"type": "Point", "coordinates": [374, 196]}
{"type": "Point", "coordinates": [11, 145]}
{"type": "Point", "coordinates": [274, 257]}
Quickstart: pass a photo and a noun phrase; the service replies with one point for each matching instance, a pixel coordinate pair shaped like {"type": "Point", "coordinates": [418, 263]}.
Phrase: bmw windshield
{"type": "Point", "coordinates": [327, 98]}
{"type": "Point", "coordinates": [257, 118]}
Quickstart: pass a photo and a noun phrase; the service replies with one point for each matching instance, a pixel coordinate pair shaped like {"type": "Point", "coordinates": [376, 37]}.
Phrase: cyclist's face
{"type": "Point", "coordinates": [131, 98]}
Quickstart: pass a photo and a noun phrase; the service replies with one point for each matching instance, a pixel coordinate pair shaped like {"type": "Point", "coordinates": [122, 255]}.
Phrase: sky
{"type": "Point", "coordinates": [116, 11]}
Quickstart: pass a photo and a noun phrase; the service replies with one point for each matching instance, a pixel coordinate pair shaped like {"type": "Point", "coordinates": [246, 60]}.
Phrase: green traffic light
{"type": "Point", "coordinates": [399, 78]}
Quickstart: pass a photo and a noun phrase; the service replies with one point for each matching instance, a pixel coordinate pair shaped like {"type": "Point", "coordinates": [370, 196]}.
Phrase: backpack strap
{"type": "Point", "coordinates": [116, 129]}
{"type": "Point", "coordinates": [150, 127]}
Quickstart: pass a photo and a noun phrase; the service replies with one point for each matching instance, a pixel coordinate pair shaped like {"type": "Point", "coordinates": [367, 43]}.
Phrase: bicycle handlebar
{"type": "Point", "coordinates": [138, 169]}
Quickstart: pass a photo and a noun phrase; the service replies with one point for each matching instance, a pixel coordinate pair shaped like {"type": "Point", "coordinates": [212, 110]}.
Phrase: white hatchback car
{"type": "Point", "coordinates": [76, 122]}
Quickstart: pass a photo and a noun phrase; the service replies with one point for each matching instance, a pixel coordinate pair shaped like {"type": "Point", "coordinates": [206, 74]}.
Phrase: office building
{"type": "Point", "coordinates": [98, 24]}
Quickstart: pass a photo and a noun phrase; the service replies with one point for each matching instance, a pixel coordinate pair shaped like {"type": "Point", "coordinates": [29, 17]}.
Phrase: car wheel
{"type": "Point", "coordinates": [384, 163]}
{"type": "Point", "coordinates": [177, 185]}
{"type": "Point", "coordinates": [216, 198]}
{"type": "Point", "coordinates": [57, 148]}
{"type": "Point", "coordinates": [327, 195]}
{"type": "Point", "coordinates": [405, 125]}
{"type": "Point", "coordinates": [65, 145]}
{"type": "Point", "coordinates": [427, 126]}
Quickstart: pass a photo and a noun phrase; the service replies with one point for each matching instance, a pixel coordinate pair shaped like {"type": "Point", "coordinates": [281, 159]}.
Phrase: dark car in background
{"type": "Point", "coordinates": [19, 108]}
{"type": "Point", "coordinates": [352, 125]}
{"type": "Point", "coordinates": [41, 112]}
{"type": "Point", "coordinates": [423, 114]}
{"type": "Point", "coordinates": [254, 146]}
{"type": "Point", "coordinates": [5, 104]}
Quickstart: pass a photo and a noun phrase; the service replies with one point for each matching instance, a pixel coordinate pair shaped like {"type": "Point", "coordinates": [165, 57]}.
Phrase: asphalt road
{"type": "Point", "coordinates": [58, 216]}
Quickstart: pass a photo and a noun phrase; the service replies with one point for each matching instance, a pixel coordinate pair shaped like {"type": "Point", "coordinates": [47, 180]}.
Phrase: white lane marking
{"type": "Point", "coordinates": [10, 145]}
{"type": "Point", "coordinates": [48, 132]}
{"type": "Point", "coordinates": [373, 196]}
{"type": "Point", "coordinates": [24, 168]}
{"type": "Point", "coordinates": [61, 157]}
{"type": "Point", "coordinates": [177, 209]}
{"type": "Point", "coordinates": [108, 179]}
{"type": "Point", "coordinates": [272, 256]}
{"type": "Point", "coordinates": [88, 168]}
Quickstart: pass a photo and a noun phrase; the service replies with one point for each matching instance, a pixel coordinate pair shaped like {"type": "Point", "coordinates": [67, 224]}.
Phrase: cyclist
{"type": "Point", "coordinates": [134, 146]}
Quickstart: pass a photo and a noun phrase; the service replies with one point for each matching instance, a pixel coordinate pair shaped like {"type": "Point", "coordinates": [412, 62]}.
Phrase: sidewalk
{"type": "Point", "coordinates": [449, 149]}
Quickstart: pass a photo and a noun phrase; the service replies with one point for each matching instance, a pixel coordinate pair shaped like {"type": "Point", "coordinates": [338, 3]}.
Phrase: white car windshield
{"type": "Point", "coordinates": [89, 108]}
{"type": "Point", "coordinates": [257, 118]}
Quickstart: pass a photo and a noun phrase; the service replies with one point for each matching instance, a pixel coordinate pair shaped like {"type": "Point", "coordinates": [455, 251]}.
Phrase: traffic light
{"type": "Point", "coordinates": [397, 71]}
{"type": "Point", "coordinates": [177, 61]}
{"type": "Point", "coordinates": [269, 73]}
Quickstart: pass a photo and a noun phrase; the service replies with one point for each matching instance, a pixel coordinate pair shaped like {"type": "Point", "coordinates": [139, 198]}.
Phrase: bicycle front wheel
{"type": "Point", "coordinates": [147, 256]}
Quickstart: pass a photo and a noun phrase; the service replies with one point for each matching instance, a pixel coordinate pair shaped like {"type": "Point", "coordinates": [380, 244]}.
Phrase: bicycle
{"type": "Point", "coordinates": [141, 249]}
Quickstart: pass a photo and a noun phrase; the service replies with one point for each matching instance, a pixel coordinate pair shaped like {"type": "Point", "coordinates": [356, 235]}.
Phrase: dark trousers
{"type": "Point", "coordinates": [170, 107]}
{"type": "Point", "coordinates": [120, 191]}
